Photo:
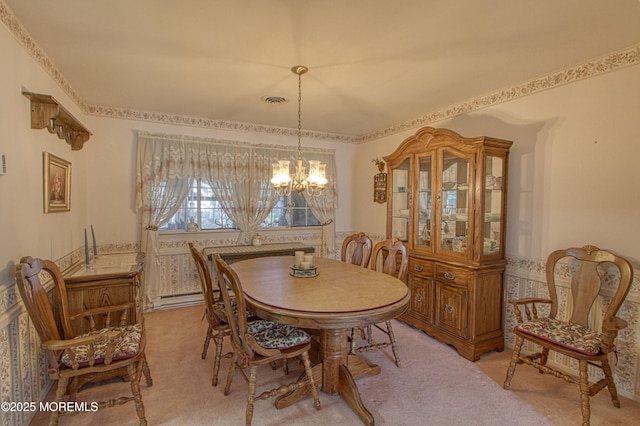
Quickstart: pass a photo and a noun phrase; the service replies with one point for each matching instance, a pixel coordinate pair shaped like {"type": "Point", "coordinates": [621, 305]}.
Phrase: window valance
{"type": "Point", "coordinates": [164, 157]}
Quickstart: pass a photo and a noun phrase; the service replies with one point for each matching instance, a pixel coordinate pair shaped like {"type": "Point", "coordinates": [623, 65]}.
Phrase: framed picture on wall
{"type": "Point", "coordinates": [57, 184]}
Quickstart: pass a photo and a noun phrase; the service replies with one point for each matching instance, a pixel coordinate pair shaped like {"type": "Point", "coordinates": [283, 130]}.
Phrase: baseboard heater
{"type": "Point", "coordinates": [171, 301]}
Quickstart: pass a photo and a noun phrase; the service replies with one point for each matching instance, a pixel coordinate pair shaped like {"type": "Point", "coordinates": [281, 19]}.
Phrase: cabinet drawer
{"type": "Point", "coordinates": [452, 275]}
{"type": "Point", "coordinates": [420, 267]}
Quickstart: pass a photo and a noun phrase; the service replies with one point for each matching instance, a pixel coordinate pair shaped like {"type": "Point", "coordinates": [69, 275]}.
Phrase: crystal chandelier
{"type": "Point", "coordinates": [282, 180]}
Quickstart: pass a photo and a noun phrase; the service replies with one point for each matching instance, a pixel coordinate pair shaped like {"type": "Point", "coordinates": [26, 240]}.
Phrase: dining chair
{"type": "Point", "coordinates": [214, 312]}
{"type": "Point", "coordinates": [356, 249]}
{"type": "Point", "coordinates": [218, 326]}
{"type": "Point", "coordinates": [96, 356]}
{"type": "Point", "coordinates": [390, 257]}
{"type": "Point", "coordinates": [260, 342]}
{"type": "Point", "coordinates": [581, 333]}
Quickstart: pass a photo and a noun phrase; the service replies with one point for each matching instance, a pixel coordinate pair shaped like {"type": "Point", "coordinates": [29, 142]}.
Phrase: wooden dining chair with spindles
{"type": "Point", "coordinates": [115, 351]}
{"type": "Point", "coordinates": [390, 257]}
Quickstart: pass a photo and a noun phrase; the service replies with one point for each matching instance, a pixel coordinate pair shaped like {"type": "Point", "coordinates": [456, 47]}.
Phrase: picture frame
{"type": "Point", "coordinates": [57, 184]}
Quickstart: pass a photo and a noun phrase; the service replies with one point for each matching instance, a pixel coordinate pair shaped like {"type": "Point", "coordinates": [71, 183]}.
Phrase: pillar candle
{"type": "Point", "coordinates": [299, 257]}
{"type": "Point", "coordinates": [309, 259]}
{"type": "Point", "coordinates": [86, 248]}
{"type": "Point", "coordinates": [95, 249]}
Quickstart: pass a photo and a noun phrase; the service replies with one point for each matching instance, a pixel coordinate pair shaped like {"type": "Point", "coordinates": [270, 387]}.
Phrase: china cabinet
{"type": "Point", "coordinates": [447, 202]}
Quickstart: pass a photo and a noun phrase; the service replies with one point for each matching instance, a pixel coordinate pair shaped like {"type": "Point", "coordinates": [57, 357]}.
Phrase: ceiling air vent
{"type": "Point", "coordinates": [274, 100]}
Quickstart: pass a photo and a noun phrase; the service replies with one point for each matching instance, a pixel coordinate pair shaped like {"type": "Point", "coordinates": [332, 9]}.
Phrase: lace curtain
{"type": "Point", "coordinates": [239, 178]}
{"type": "Point", "coordinates": [323, 209]}
{"type": "Point", "coordinates": [238, 173]}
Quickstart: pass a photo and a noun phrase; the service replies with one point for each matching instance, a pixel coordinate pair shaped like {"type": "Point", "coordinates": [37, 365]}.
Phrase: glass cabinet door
{"type": "Point", "coordinates": [424, 230]}
{"type": "Point", "coordinates": [493, 205]}
{"type": "Point", "coordinates": [400, 190]}
{"type": "Point", "coordinates": [455, 202]}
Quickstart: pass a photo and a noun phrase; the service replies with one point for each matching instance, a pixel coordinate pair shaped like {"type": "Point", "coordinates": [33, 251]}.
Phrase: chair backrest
{"type": "Point", "coordinates": [206, 281]}
{"type": "Point", "coordinates": [36, 300]}
{"type": "Point", "coordinates": [591, 270]}
{"type": "Point", "coordinates": [230, 287]}
{"type": "Point", "coordinates": [356, 249]}
{"type": "Point", "coordinates": [384, 258]}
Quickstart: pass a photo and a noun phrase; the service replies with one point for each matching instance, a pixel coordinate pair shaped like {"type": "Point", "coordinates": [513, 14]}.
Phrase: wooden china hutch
{"type": "Point", "coordinates": [447, 202]}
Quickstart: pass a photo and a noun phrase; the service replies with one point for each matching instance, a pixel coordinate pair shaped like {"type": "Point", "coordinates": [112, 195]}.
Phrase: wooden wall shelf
{"type": "Point", "coordinates": [47, 113]}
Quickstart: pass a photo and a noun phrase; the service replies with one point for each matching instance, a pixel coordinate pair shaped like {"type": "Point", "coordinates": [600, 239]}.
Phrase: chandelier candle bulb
{"type": "Point", "coordinates": [281, 176]}
{"type": "Point", "coordinates": [317, 172]}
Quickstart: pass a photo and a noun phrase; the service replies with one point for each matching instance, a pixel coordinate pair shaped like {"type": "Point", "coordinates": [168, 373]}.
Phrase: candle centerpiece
{"type": "Point", "coordinates": [304, 267]}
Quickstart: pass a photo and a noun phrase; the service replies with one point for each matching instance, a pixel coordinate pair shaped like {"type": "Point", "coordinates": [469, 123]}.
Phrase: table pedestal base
{"type": "Point", "coordinates": [349, 392]}
{"type": "Point", "coordinates": [336, 374]}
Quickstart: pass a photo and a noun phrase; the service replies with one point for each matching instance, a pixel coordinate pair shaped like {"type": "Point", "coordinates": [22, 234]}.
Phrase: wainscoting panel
{"type": "Point", "coordinates": [178, 276]}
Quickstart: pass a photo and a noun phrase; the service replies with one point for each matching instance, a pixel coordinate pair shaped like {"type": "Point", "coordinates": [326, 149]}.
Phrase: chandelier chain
{"type": "Point", "coordinates": [283, 180]}
{"type": "Point", "coordinates": [299, 115]}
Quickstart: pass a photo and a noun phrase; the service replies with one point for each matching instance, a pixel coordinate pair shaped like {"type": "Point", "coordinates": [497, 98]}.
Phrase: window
{"type": "Point", "coordinates": [293, 208]}
{"type": "Point", "coordinates": [202, 206]}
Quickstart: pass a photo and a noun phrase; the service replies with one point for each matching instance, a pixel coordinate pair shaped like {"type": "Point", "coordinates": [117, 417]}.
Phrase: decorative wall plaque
{"type": "Point", "coordinates": [380, 183]}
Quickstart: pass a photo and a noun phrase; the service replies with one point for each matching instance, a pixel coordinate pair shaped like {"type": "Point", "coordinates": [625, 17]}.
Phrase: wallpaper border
{"type": "Point", "coordinates": [597, 66]}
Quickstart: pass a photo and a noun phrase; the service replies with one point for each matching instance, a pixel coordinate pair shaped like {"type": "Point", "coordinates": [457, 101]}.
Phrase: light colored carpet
{"type": "Point", "coordinates": [434, 386]}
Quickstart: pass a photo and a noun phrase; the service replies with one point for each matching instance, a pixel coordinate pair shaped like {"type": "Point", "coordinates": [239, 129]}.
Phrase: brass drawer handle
{"type": "Point", "coordinates": [450, 275]}
{"type": "Point", "coordinates": [418, 268]}
{"type": "Point", "coordinates": [418, 298]}
{"type": "Point", "coordinates": [448, 309]}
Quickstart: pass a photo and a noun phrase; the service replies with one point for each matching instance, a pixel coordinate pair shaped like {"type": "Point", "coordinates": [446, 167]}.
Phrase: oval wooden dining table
{"type": "Point", "coordinates": [340, 297]}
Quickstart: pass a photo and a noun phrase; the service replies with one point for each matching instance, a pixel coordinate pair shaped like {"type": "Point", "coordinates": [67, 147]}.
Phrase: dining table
{"type": "Point", "coordinates": [335, 298]}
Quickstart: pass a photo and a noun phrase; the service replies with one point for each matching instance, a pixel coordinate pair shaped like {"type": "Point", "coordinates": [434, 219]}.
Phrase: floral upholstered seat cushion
{"type": "Point", "coordinates": [572, 336]}
{"type": "Point", "coordinates": [222, 314]}
{"type": "Point", "coordinates": [127, 346]}
{"type": "Point", "coordinates": [219, 311]}
{"type": "Point", "coordinates": [271, 335]}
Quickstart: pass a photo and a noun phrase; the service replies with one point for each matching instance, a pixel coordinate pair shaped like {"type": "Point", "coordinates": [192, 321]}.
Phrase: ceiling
{"type": "Point", "coordinates": [372, 63]}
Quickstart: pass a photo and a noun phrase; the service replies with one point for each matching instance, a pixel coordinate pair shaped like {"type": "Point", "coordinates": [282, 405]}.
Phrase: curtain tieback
{"type": "Point", "coordinates": [151, 228]}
